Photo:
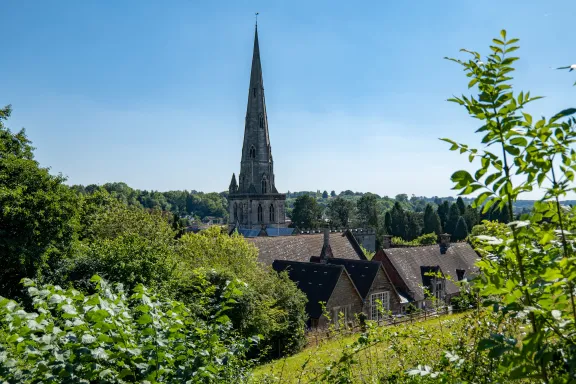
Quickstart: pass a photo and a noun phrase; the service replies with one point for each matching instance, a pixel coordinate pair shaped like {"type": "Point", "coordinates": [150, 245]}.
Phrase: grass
{"type": "Point", "coordinates": [392, 351]}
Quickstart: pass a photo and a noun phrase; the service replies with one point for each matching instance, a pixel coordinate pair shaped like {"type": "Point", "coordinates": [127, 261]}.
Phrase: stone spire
{"type": "Point", "coordinates": [256, 166]}
{"type": "Point", "coordinates": [233, 186]}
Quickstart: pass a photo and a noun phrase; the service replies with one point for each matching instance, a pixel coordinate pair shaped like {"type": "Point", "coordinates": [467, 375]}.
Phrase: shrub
{"type": "Point", "coordinates": [110, 338]}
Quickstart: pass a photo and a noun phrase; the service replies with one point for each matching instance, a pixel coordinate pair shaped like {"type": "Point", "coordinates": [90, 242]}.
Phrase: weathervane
{"type": "Point", "coordinates": [256, 19]}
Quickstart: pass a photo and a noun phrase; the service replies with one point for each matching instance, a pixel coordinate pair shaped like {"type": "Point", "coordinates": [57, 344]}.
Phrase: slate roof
{"type": "Point", "coordinates": [301, 247]}
{"type": "Point", "coordinates": [412, 262]}
{"type": "Point", "coordinates": [317, 281]}
{"type": "Point", "coordinates": [362, 272]}
{"type": "Point", "coordinates": [279, 231]}
{"type": "Point", "coordinates": [249, 232]}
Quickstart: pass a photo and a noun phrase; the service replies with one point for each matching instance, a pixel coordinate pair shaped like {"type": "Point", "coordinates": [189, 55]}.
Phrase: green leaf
{"type": "Point", "coordinates": [144, 319]}
{"type": "Point", "coordinates": [503, 34]}
{"type": "Point", "coordinates": [519, 141]}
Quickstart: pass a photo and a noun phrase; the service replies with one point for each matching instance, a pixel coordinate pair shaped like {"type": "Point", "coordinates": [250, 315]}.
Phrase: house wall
{"type": "Point", "coordinates": [391, 271]}
{"type": "Point", "coordinates": [382, 284]}
{"type": "Point", "coordinates": [344, 294]}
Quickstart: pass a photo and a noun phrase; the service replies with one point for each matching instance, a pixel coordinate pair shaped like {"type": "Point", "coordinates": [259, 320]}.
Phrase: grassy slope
{"type": "Point", "coordinates": [401, 347]}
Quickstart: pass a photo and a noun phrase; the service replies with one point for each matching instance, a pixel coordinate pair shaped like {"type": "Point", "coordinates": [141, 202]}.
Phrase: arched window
{"type": "Point", "coordinates": [235, 212]}
{"type": "Point", "coordinates": [272, 216]}
{"type": "Point", "coordinates": [264, 185]}
{"type": "Point", "coordinates": [254, 92]}
{"type": "Point", "coordinates": [252, 152]}
{"type": "Point", "coordinates": [260, 216]}
{"type": "Point", "coordinates": [261, 121]}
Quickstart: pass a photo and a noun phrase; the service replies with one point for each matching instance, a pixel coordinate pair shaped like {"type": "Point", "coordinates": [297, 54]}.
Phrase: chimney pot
{"type": "Point", "coordinates": [387, 242]}
{"type": "Point", "coordinates": [444, 242]}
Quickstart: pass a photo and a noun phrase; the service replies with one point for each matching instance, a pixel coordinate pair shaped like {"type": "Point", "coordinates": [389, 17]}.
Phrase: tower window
{"type": "Point", "coordinates": [235, 212]}
{"type": "Point", "coordinates": [260, 216]}
{"type": "Point", "coordinates": [252, 152]}
{"type": "Point", "coordinates": [272, 216]}
{"type": "Point", "coordinates": [264, 185]}
{"type": "Point", "coordinates": [254, 92]}
{"type": "Point", "coordinates": [261, 121]}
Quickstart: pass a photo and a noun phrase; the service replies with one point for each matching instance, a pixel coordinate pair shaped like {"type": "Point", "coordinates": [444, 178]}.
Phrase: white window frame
{"type": "Point", "coordinates": [439, 288]}
{"type": "Point", "coordinates": [336, 311]}
{"type": "Point", "coordinates": [384, 298]}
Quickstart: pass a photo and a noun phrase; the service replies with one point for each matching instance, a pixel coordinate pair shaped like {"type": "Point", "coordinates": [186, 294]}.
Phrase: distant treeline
{"type": "Point", "coordinates": [215, 204]}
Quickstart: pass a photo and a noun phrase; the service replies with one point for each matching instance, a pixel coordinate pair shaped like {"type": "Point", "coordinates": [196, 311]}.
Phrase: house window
{"type": "Point", "coordinates": [341, 314]}
{"type": "Point", "coordinates": [260, 213]}
{"type": "Point", "coordinates": [252, 152]}
{"type": "Point", "coordinates": [272, 216]}
{"type": "Point", "coordinates": [379, 304]}
{"type": "Point", "coordinates": [439, 289]}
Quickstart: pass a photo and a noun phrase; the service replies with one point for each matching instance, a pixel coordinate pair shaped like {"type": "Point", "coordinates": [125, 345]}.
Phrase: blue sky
{"type": "Point", "coordinates": [154, 93]}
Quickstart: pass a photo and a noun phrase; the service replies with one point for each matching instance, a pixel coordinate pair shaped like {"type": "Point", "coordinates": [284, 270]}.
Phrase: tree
{"type": "Point", "coordinates": [443, 211]}
{"type": "Point", "coordinates": [325, 194]}
{"type": "Point", "coordinates": [413, 225]}
{"type": "Point", "coordinates": [398, 221]}
{"type": "Point", "coordinates": [38, 213]}
{"type": "Point", "coordinates": [472, 217]}
{"type": "Point", "coordinates": [367, 210]}
{"type": "Point", "coordinates": [461, 205]}
{"type": "Point", "coordinates": [402, 197]}
{"type": "Point", "coordinates": [333, 194]}
{"type": "Point", "coordinates": [388, 223]}
{"type": "Point", "coordinates": [306, 213]}
{"type": "Point", "coordinates": [340, 211]}
{"type": "Point", "coordinates": [453, 216]}
{"type": "Point", "coordinates": [431, 221]}
{"type": "Point", "coordinates": [461, 230]}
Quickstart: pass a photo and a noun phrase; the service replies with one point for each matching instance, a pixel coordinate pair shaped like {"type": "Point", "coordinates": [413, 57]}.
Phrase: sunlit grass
{"type": "Point", "coordinates": [399, 347]}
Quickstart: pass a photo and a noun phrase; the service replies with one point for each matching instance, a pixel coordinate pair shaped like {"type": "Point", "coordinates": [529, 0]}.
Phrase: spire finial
{"type": "Point", "coordinates": [256, 14]}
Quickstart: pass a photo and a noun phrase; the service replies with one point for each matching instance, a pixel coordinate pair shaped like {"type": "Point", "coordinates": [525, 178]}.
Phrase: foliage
{"type": "Point", "coordinates": [306, 212]}
{"type": "Point", "coordinates": [461, 230]}
{"type": "Point", "coordinates": [38, 214]}
{"type": "Point", "coordinates": [431, 221]}
{"type": "Point", "coordinates": [528, 272]}
{"type": "Point", "coordinates": [340, 212]}
{"type": "Point", "coordinates": [367, 207]}
{"type": "Point", "coordinates": [427, 239]}
{"type": "Point", "coordinates": [107, 337]}
{"type": "Point", "coordinates": [271, 305]}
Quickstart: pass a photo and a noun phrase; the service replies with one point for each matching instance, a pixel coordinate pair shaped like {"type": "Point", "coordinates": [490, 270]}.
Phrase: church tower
{"type": "Point", "coordinates": [254, 201]}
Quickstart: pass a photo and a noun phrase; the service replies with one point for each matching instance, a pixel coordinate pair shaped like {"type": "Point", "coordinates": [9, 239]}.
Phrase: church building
{"type": "Point", "coordinates": [254, 201]}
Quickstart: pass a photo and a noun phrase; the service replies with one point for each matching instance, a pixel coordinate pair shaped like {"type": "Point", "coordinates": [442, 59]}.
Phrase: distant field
{"type": "Point", "coordinates": [400, 347]}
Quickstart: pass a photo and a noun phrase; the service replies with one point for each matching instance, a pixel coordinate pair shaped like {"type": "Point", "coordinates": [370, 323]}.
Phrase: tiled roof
{"type": "Point", "coordinates": [317, 281]}
{"type": "Point", "coordinates": [412, 262]}
{"type": "Point", "coordinates": [301, 247]}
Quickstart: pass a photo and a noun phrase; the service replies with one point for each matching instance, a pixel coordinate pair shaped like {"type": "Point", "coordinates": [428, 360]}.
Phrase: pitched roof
{"type": "Point", "coordinates": [412, 263]}
{"type": "Point", "coordinates": [362, 272]}
{"type": "Point", "coordinates": [301, 247]}
{"type": "Point", "coordinates": [317, 281]}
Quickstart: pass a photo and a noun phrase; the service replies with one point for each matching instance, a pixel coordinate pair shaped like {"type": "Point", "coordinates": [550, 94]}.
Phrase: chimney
{"type": "Point", "coordinates": [444, 242]}
{"type": "Point", "coordinates": [387, 241]}
{"type": "Point", "coordinates": [326, 252]}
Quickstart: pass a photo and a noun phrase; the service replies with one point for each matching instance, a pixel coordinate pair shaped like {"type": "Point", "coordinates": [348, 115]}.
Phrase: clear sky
{"type": "Point", "coordinates": [153, 93]}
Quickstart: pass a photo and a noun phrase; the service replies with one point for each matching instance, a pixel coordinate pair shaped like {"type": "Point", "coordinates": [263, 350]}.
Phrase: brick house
{"type": "Point", "coordinates": [411, 268]}
{"type": "Point", "coordinates": [324, 283]}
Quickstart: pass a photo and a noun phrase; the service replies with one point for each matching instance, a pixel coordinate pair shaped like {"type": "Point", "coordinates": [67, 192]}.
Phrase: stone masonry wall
{"type": "Point", "coordinates": [344, 294]}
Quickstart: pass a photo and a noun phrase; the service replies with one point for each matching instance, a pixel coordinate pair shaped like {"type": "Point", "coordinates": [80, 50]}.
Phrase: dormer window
{"type": "Point", "coordinates": [252, 152]}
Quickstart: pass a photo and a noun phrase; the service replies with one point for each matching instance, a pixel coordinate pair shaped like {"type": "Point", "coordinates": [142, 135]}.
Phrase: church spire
{"type": "Point", "coordinates": [256, 173]}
